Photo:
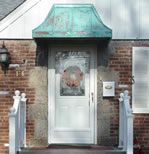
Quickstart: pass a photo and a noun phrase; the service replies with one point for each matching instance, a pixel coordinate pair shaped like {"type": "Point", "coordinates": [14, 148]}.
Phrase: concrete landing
{"type": "Point", "coordinates": [71, 150]}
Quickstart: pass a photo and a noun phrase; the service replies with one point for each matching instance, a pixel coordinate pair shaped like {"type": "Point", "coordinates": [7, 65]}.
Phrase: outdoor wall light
{"type": "Point", "coordinates": [4, 58]}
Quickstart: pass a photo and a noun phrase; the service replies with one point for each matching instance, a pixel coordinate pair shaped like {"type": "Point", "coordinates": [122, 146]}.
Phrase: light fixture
{"type": "Point", "coordinates": [4, 58]}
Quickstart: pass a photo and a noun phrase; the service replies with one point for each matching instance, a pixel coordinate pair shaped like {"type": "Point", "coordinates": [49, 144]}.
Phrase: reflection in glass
{"type": "Point", "coordinates": [72, 68]}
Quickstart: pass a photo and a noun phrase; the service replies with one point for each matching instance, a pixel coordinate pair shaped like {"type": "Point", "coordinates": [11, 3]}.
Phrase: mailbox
{"type": "Point", "coordinates": [109, 89]}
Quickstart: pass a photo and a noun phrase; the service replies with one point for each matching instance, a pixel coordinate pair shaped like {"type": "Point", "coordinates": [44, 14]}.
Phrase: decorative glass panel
{"type": "Point", "coordinates": [72, 68]}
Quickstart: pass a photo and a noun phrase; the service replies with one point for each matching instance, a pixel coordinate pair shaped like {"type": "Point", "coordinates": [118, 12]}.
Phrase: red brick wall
{"type": "Point", "coordinates": [121, 61]}
{"type": "Point", "coordinates": [22, 53]}
{"type": "Point", "coordinates": [141, 130]}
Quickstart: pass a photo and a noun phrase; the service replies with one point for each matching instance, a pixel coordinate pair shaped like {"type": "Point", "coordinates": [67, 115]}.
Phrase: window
{"type": "Point", "coordinates": [140, 91]}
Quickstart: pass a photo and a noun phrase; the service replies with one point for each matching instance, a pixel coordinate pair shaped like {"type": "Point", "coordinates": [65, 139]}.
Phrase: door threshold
{"type": "Point", "coordinates": [71, 147]}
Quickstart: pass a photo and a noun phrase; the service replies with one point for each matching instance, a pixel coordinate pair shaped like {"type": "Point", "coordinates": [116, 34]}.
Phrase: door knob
{"type": "Point", "coordinates": [92, 95]}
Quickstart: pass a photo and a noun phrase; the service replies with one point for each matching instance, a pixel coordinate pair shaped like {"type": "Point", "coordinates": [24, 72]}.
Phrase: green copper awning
{"type": "Point", "coordinates": [72, 21]}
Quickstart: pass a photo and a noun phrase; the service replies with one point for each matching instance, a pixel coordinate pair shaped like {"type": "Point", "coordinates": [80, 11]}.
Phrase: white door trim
{"type": "Point", "coordinates": [95, 94]}
{"type": "Point", "coordinates": [51, 79]}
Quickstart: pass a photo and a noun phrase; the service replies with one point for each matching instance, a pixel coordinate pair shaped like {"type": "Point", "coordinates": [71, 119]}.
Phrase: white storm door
{"type": "Point", "coordinates": [72, 105]}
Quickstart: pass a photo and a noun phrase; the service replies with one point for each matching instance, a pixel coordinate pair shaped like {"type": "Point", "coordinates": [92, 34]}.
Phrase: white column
{"type": "Point", "coordinates": [130, 134]}
{"type": "Point", "coordinates": [13, 125]}
{"type": "Point", "coordinates": [12, 133]}
{"type": "Point", "coordinates": [129, 123]}
{"type": "Point", "coordinates": [121, 121]}
{"type": "Point", "coordinates": [23, 120]}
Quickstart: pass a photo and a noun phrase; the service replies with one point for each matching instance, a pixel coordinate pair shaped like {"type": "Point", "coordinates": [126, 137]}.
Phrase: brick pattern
{"type": "Point", "coordinates": [121, 61]}
{"type": "Point", "coordinates": [23, 52]}
{"type": "Point", "coordinates": [141, 130]}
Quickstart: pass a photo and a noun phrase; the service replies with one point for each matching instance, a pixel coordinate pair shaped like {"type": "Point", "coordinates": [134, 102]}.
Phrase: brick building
{"type": "Point", "coordinates": [61, 57]}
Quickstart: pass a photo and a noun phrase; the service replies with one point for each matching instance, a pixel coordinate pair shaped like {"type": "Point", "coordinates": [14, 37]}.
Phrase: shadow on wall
{"type": "Point", "coordinates": [106, 107]}
{"type": "Point", "coordinates": [42, 54]}
{"type": "Point", "coordinates": [104, 51]}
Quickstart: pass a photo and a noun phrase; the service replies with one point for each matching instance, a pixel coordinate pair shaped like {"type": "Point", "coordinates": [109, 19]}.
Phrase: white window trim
{"type": "Point", "coordinates": [137, 110]}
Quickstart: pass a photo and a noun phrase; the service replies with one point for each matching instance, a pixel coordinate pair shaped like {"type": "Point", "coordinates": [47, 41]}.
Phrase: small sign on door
{"type": "Point", "coordinates": [108, 89]}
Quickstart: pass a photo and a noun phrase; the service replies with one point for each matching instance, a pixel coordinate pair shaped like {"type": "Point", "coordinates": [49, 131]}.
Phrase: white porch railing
{"type": "Point", "coordinates": [17, 123]}
{"type": "Point", "coordinates": [125, 123]}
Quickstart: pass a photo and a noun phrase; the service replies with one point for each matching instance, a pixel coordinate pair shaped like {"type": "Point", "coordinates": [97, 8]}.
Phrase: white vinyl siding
{"type": "Point", "coordinates": [140, 93]}
{"type": "Point", "coordinates": [128, 19]}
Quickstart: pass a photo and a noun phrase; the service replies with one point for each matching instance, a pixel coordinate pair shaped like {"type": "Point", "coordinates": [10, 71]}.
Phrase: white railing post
{"type": "Point", "coordinates": [130, 135]}
{"type": "Point", "coordinates": [129, 124]}
{"type": "Point", "coordinates": [125, 108]}
{"type": "Point", "coordinates": [23, 120]}
{"type": "Point", "coordinates": [121, 123]}
{"type": "Point", "coordinates": [13, 124]}
{"type": "Point", "coordinates": [125, 123]}
{"type": "Point", "coordinates": [17, 123]}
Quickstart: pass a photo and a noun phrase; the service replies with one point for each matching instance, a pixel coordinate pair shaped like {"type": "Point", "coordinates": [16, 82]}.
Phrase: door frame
{"type": "Point", "coordinates": [51, 87]}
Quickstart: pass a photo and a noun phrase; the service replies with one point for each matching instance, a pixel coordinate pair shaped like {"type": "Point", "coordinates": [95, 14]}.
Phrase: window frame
{"type": "Point", "coordinates": [137, 110]}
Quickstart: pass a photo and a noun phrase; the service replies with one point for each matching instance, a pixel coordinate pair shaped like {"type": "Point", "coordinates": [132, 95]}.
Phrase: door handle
{"type": "Point", "coordinates": [92, 95]}
{"type": "Point", "coordinates": [92, 98]}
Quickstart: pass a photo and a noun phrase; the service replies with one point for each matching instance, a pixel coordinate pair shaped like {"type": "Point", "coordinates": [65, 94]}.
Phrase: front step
{"type": "Point", "coordinates": [70, 151]}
